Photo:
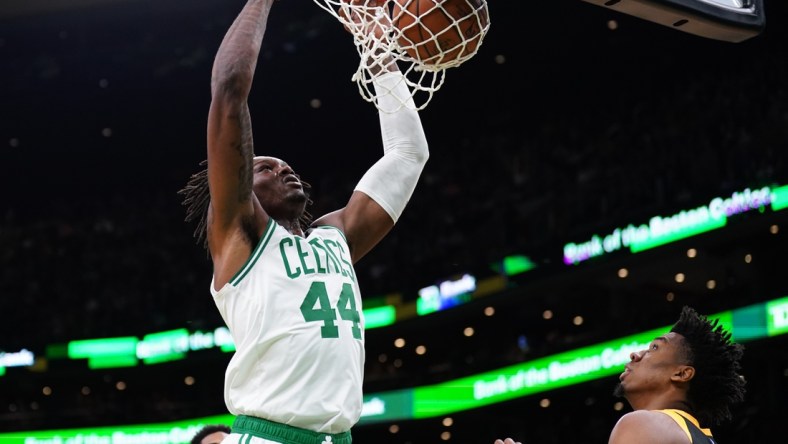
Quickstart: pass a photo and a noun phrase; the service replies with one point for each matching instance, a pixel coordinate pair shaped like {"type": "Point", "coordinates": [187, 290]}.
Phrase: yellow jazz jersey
{"type": "Point", "coordinates": [294, 311]}
{"type": "Point", "coordinates": [691, 426]}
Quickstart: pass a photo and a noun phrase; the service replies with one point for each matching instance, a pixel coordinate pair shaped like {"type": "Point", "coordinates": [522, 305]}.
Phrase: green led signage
{"type": "Point", "coordinates": [379, 316]}
{"type": "Point", "coordinates": [528, 378]}
{"type": "Point", "coordinates": [536, 376]}
{"type": "Point", "coordinates": [105, 353]}
{"type": "Point", "coordinates": [447, 294]}
{"type": "Point", "coordinates": [171, 345]}
{"type": "Point", "coordinates": [179, 432]}
{"type": "Point", "coordinates": [513, 265]}
{"type": "Point", "coordinates": [777, 317]}
{"type": "Point", "coordinates": [780, 198]}
{"type": "Point", "coordinates": [163, 347]}
{"type": "Point", "coordinates": [663, 230]}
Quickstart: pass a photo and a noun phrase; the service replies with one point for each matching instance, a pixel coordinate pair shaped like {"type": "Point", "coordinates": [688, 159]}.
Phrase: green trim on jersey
{"type": "Point", "coordinates": [332, 228]}
{"type": "Point", "coordinates": [269, 231]}
{"type": "Point", "coordinates": [286, 434]}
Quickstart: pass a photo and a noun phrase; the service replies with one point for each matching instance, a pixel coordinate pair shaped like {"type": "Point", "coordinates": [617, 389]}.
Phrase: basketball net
{"type": "Point", "coordinates": [379, 44]}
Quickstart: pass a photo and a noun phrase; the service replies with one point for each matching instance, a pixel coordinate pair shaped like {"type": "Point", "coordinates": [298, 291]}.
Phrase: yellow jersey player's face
{"type": "Point", "coordinates": [651, 370]}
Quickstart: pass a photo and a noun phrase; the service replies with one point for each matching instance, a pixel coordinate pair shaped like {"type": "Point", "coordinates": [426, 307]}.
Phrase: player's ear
{"type": "Point", "coordinates": [683, 373]}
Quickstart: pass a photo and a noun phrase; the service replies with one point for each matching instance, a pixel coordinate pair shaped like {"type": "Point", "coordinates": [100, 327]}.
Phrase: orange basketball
{"type": "Point", "coordinates": [440, 33]}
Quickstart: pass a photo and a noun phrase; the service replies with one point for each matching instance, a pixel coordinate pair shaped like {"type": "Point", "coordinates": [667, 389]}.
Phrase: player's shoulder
{"type": "Point", "coordinates": [325, 229]}
{"type": "Point", "coordinates": [646, 427]}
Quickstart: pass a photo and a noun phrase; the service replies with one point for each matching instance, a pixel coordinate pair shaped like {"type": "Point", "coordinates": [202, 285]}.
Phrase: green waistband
{"type": "Point", "coordinates": [284, 433]}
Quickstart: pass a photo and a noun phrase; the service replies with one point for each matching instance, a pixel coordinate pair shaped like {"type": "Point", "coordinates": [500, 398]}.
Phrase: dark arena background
{"type": "Point", "coordinates": [590, 173]}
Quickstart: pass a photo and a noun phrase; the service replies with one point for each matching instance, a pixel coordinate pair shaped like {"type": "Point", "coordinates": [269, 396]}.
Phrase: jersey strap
{"type": "Point", "coordinates": [690, 425]}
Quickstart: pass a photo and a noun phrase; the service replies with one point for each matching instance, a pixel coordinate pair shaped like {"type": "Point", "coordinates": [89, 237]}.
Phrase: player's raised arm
{"type": "Point", "coordinates": [230, 148]}
{"type": "Point", "coordinates": [381, 195]}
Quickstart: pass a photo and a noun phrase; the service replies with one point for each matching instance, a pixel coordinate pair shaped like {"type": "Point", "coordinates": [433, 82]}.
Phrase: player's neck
{"type": "Point", "coordinates": [292, 226]}
{"type": "Point", "coordinates": [659, 402]}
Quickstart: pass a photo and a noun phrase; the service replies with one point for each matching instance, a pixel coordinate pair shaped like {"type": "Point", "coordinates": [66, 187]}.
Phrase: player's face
{"type": "Point", "coordinates": [650, 370]}
{"type": "Point", "coordinates": [275, 181]}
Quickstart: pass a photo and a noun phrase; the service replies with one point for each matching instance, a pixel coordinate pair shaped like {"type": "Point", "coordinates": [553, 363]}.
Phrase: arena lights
{"type": "Point", "coordinates": [172, 345]}
{"type": "Point", "coordinates": [105, 352]}
{"type": "Point", "coordinates": [756, 321]}
{"type": "Point", "coordinates": [780, 198]}
{"type": "Point", "coordinates": [168, 433]}
{"type": "Point", "coordinates": [661, 230]}
{"type": "Point", "coordinates": [379, 316]}
{"type": "Point", "coordinates": [163, 347]}
{"type": "Point", "coordinates": [445, 295]}
{"type": "Point", "coordinates": [513, 265]}
{"type": "Point", "coordinates": [22, 358]}
{"type": "Point", "coordinates": [152, 349]}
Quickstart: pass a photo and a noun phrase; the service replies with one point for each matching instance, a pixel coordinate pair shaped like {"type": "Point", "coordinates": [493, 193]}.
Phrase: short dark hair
{"type": "Point", "coordinates": [207, 430]}
{"type": "Point", "coordinates": [717, 384]}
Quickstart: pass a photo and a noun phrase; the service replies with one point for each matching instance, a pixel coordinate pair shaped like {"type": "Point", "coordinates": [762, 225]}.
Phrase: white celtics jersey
{"type": "Point", "coordinates": [294, 311]}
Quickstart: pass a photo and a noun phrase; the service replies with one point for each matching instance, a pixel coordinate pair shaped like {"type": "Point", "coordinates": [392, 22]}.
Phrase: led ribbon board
{"type": "Point", "coordinates": [179, 432]}
{"type": "Point", "coordinates": [551, 372]}
{"type": "Point", "coordinates": [447, 294]}
{"type": "Point", "coordinates": [661, 230]}
{"type": "Point", "coordinates": [22, 358]}
{"type": "Point", "coordinates": [155, 348]}
{"type": "Point", "coordinates": [756, 321]}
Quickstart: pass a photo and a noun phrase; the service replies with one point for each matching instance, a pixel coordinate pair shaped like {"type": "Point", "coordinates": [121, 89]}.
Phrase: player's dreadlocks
{"type": "Point", "coordinates": [717, 383]}
{"type": "Point", "coordinates": [197, 197]}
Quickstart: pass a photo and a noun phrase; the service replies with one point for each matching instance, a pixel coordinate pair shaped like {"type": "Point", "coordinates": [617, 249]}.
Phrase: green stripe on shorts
{"type": "Point", "coordinates": [286, 434]}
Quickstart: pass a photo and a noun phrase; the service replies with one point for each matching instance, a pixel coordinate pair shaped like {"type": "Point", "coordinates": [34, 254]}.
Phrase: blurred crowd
{"type": "Point", "coordinates": [124, 265]}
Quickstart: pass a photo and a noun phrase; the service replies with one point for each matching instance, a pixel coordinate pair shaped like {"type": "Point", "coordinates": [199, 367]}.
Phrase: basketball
{"type": "Point", "coordinates": [440, 33]}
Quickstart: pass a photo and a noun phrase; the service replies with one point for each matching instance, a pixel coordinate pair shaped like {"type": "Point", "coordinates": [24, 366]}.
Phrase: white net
{"type": "Point", "coordinates": [422, 37]}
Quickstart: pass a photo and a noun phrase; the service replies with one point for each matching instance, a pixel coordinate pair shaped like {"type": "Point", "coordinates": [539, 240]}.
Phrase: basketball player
{"type": "Point", "coordinates": [286, 287]}
{"type": "Point", "coordinates": [686, 378]}
{"type": "Point", "coordinates": [211, 434]}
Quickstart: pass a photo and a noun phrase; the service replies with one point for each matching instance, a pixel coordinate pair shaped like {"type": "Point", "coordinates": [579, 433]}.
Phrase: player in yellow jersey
{"type": "Point", "coordinates": [686, 378]}
{"type": "Point", "coordinates": [285, 286]}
